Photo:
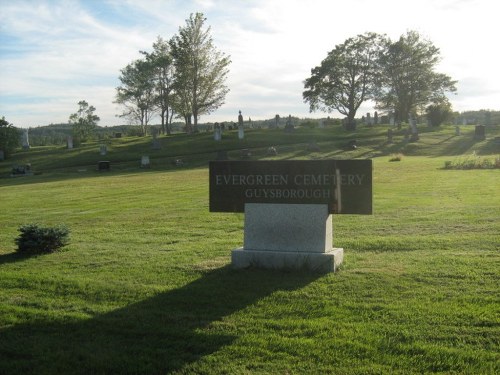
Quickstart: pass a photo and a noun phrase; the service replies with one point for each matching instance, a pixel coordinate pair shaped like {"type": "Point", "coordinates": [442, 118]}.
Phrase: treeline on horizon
{"type": "Point", "coordinates": [56, 134]}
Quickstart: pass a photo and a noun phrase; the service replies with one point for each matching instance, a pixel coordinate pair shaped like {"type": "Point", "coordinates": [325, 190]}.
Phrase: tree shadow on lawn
{"type": "Point", "coordinates": [157, 335]}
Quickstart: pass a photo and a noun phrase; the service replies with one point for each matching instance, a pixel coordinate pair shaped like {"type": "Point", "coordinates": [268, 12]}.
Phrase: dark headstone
{"type": "Point", "coordinates": [480, 132]}
{"type": "Point", "coordinates": [222, 155]}
{"type": "Point", "coordinates": [313, 147]}
{"type": "Point", "coordinates": [103, 165]}
{"type": "Point", "coordinates": [271, 151]}
{"type": "Point", "coordinates": [245, 153]}
{"type": "Point", "coordinates": [389, 135]}
{"type": "Point", "coordinates": [352, 144]}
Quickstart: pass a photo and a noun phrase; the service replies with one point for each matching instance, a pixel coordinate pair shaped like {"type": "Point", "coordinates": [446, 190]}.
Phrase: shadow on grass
{"type": "Point", "coordinates": [14, 257]}
{"type": "Point", "coordinates": [157, 335]}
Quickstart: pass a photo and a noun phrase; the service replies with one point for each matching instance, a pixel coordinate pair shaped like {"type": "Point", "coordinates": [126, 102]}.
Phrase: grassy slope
{"type": "Point", "coordinates": [145, 285]}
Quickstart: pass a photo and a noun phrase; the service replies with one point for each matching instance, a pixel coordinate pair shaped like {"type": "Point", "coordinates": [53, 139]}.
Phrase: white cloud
{"type": "Point", "coordinates": [55, 53]}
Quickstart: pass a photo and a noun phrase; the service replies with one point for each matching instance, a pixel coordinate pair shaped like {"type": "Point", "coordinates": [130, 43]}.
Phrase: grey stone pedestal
{"type": "Point", "coordinates": [288, 236]}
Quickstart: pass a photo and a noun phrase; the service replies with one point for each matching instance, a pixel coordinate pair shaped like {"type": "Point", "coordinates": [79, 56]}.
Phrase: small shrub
{"type": "Point", "coordinates": [396, 157]}
{"type": "Point", "coordinates": [35, 239]}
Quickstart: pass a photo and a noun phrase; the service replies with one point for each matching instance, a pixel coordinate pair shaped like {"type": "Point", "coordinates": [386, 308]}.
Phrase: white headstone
{"type": "Point", "coordinates": [217, 132]}
{"type": "Point", "coordinates": [26, 142]}
{"type": "Point", "coordinates": [145, 162]}
{"type": "Point", "coordinates": [241, 130]}
{"type": "Point", "coordinates": [69, 142]}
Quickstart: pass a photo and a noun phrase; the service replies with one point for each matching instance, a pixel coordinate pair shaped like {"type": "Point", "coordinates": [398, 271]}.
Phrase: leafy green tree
{"type": "Point", "coordinates": [163, 80]}
{"type": "Point", "coordinates": [137, 92]}
{"type": "Point", "coordinates": [439, 112]}
{"type": "Point", "coordinates": [9, 137]}
{"type": "Point", "coordinates": [408, 82]}
{"type": "Point", "coordinates": [200, 70]}
{"type": "Point", "coordinates": [84, 121]}
{"type": "Point", "coordinates": [346, 77]}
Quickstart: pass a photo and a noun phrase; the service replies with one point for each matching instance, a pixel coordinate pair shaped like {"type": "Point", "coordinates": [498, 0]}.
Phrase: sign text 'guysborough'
{"type": "Point", "coordinates": [344, 185]}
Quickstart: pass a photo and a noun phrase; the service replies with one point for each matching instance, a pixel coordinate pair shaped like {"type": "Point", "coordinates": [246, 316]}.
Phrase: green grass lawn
{"type": "Point", "coordinates": [146, 287]}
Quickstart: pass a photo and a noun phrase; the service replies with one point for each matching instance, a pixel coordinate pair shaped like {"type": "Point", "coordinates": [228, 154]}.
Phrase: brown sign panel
{"type": "Point", "coordinates": [344, 185]}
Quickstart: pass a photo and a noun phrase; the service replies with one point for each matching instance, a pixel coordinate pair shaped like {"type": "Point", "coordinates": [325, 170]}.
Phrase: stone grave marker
{"type": "Point", "coordinates": [103, 150]}
{"type": "Point", "coordinates": [103, 165]}
{"type": "Point", "coordinates": [217, 132]}
{"type": "Point", "coordinates": [145, 163]}
{"type": "Point", "coordinates": [480, 132]}
{"type": "Point", "coordinates": [25, 140]}
{"type": "Point", "coordinates": [69, 142]}
{"type": "Point", "coordinates": [288, 208]}
{"type": "Point", "coordinates": [241, 129]}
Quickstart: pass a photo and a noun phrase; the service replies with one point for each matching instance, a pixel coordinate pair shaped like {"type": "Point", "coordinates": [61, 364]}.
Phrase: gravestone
{"type": "Point", "coordinates": [69, 142]}
{"type": "Point", "coordinates": [480, 132]}
{"type": "Point", "coordinates": [389, 135]}
{"type": "Point", "coordinates": [413, 129]}
{"type": "Point", "coordinates": [217, 132]}
{"type": "Point", "coordinates": [276, 124]}
{"type": "Point", "coordinates": [222, 155]}
{"type": "Point", "coordinates": [271, 151]}
{"type": "Point", "coordinates": [145, 163]}
{"type": "Point", "coordinates": [289, 125]}
{"type": "Point", "coordinates": [103, 150]}
{"type": "Point", "coordinates": [25, 140]}
{"type": "Point", "coordinates": [288, 208]}
{"type": "Point", "coordinates": [313, 147]}
{"type": "Point", "coordinates": [156, 145]}
{"type": "Point", "coordinates": [241, 130]}
{"type": "Point", "coordinates": [245, 153]}
{"type": "Point", "coordinates": [103, 165]}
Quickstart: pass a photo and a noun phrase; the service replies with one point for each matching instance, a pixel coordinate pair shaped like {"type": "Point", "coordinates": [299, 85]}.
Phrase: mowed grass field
{"type": "Point", "coordinates": [145, 285]}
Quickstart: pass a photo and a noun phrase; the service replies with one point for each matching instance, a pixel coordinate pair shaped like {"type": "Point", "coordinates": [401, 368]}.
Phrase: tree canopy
{"type": "Point", "coordinates": [408, 81]}
{"type": "Point", "coordinates": [84, 121]}
{"type": "Point", "coordinates": [201, 70]}
{"type": "Point", "coordinates": [185, 75]}
{"type": "Point", "coordinates": [346, 77]}
{"type": "Point", "coordinates": [399, 76]}
{"type": "Point", "coordinates": [9, 137]}
{"type": "Point", "coordinates": [137, 92]}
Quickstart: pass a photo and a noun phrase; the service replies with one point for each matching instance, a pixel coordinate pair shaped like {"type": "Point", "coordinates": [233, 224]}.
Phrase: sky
{"type": "Point", "coordinates": [55, 53]}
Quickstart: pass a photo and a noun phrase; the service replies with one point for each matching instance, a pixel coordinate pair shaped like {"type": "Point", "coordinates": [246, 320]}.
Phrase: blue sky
{"type": "Point", "coordinates": [55, 53]}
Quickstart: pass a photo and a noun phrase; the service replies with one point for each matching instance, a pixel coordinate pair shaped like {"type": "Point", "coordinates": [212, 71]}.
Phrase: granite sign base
{"type": "Point", "coordinates": [288, 236]}
{"type": "Point", "coordinates": [287, 260]}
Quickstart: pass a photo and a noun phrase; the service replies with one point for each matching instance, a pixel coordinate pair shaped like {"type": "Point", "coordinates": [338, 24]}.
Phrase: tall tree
{"type": "Point", "coordinates": [137, 92]}
{"type": "Point", "coordinates": [201, 70]}
{"type": "Point", "coordinates": [84, 121]}
{"type": "Point", "coordinates": [9, 137]}
{"type": "Point", "coordinates": [346, 77]}
{"type": "Point", "coordinates": [408, 81]}
{"type": "Point", "coordinates": [439, 112]}
{"type": "Point", "coordinates": [163, 81]}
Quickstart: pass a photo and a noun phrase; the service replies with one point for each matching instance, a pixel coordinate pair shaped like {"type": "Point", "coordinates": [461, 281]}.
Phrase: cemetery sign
{"type": "Point", "coordinates": [344, 185]}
